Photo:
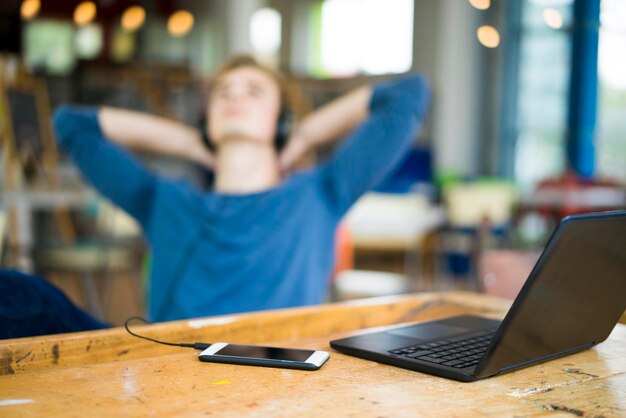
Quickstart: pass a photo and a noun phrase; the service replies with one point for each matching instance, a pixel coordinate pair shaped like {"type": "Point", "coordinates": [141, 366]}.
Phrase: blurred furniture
{"type": "Point", "coordinates": [348, 283]}
{"type": "Point", "coordinates": [391, 221]}
{"type": "Point", "coordinates": [35, 186]}
{"type": "Point", "coordinates": [360, 284]}
{"type": "Point", "coordinates": [22, 204]}
{"type": "Point", "coordinates": [30, 162]}
{"type": "Point", "coordinates": [538, 213]}
{"type": "Point", "coordinates": [571, 194]}
{"type": "Point", "coordinates": [386, 235]}
{"type": "Point", "coordinates": [471, 204]}
{"type": "Point", "coordinates": [344, 252]}
{"type": "Point", "coordinates": [27, 138]}
{"type": "Point", "coordinates": [502, 273]}
{"type": "Point", "coordinates": [479, 215]}
{"type": "Point", "coordinates": [109, 372]}
{"type": "Point", "coordinates": [112, 249]}
{"type": "Point", "coordinates": [112, 253]}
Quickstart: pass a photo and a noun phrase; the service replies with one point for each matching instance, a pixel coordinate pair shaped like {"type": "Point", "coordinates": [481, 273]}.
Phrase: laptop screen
{"type": "Point", "coordinates": [572, 298]}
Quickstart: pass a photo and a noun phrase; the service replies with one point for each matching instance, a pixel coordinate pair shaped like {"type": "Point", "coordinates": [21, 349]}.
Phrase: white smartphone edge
{"type": "Point", "coordinates": [317, 358]}
{"type": "Point", "coordinates": [214, 348]}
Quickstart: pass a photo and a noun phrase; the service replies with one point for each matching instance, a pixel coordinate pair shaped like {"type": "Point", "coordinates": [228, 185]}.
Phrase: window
{"type": "Point", "coordinates": [49, 46]}
{"type": "Point", "coordinates": [365, 36]}
{"type": "Point", "coordinates": [265, 36]}
{"type": "Point", "coordinates": [611, 128]}
{"type": "Point", "coordinates": [543, 91]}
{"type": "Point", "coordinates": [88, 41]}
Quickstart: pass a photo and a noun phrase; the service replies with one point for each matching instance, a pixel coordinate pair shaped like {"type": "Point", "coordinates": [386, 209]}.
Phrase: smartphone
{"type": "Point", "coordinates": [254, 355]}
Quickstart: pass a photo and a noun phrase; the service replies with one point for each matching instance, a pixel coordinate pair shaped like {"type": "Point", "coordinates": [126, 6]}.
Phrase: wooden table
{"type": "Point", "coordinates": [110, 373]}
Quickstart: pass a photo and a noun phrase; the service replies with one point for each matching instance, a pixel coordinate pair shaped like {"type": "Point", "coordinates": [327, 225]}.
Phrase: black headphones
{"type": "Point", "coordinates": [283, 129]}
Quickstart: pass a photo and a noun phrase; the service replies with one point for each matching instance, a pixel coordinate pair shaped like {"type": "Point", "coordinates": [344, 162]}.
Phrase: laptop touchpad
{"type": "Point", "coordinates": [428, 331]}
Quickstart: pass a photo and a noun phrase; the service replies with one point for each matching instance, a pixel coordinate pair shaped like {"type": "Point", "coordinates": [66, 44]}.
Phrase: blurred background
{"type": "Point", "coordinates": [527, 125]}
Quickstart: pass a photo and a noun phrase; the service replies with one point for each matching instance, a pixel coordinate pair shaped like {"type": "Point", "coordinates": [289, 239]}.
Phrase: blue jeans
{"type": "Point", "coordinates": [31, 306]}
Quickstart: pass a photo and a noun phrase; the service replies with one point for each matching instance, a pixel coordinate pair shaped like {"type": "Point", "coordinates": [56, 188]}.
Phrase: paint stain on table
{"type": "Point", "coordinates": [221, 382]}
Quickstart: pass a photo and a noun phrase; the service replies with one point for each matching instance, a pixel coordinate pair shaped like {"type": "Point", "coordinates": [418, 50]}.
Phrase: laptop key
{"type": "Point", "coordinates": [459, 352]}
{"type": "Point", "coordinates": [432, 359]}
{"type": "Point", "coordinates": [419, 354]}
{"type": "Point", "coordinates": [452, 363]}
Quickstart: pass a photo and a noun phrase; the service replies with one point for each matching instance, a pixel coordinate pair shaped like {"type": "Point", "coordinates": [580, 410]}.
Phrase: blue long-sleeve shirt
{"type": "Point", "coordinates": [215, 253]}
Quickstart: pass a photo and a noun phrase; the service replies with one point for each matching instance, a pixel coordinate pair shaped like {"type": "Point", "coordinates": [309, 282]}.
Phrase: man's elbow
{"type": "Point", "coordinates": [420, 95]}
{"type": "Point", "coordinates": [68, 121]}
{"type": "Point", "coordinates": [63, 121]}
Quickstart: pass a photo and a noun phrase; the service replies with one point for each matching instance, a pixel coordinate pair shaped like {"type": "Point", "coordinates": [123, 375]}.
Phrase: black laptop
{"type": "Point", "coordinates": [571, 301]}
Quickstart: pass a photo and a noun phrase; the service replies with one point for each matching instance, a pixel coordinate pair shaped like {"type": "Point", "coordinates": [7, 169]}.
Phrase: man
{"type": "Point", "coordinates": [260, 239]}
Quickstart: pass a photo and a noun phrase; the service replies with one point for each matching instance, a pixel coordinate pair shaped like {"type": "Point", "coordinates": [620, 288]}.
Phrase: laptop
{"type": "Point", "coordinates": [570, 302]}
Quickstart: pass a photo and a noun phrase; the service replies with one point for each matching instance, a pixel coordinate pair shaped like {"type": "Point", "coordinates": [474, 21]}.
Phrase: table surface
{"type": "Point", "coordinates": [111, 373]}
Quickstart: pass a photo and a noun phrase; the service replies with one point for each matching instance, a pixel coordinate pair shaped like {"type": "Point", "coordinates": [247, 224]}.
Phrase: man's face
{"type": "Point", "coordinates": [244, 103]}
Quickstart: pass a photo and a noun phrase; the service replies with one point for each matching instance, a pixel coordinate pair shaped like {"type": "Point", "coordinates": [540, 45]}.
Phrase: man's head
{"type": "Point", "coordinates": [246, 100]}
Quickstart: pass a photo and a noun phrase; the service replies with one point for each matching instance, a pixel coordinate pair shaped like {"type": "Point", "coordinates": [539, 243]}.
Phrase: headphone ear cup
{"type": "Point", "coordinates": [283, 129]}
{"type": "Point", "coordinates": [204, 133]}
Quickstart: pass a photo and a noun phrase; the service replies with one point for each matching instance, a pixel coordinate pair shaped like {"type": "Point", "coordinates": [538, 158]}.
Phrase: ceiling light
{"type": "Point", "coordinates": [180, 23]}
{"type": "Point", "coordinates": [480, 4]}
{"type": "Point", "coordinates": [133, 18]}
{"type": "Point", "coordinates": [85, 13]}
{"type": "Point", "coordinates": [488, 36]}
{"type": "Point", "coordinates": [553, 18]}
{"type": "Point", "coordinates": [29, 9]}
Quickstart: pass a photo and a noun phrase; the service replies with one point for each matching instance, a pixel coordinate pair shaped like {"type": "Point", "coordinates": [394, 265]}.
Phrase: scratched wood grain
{"type": "Point", "coordinates": [591, 383]}
{"type": "Point", "coordinates": [30, 354]}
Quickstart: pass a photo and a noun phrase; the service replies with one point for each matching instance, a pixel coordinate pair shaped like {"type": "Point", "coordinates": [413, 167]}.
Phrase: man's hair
{"type": "Point", "coordinates": [289, 97]}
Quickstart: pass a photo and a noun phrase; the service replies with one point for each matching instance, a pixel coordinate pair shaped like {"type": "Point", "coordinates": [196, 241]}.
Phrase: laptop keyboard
{"type": "Point", "coordinates": [453, 352]}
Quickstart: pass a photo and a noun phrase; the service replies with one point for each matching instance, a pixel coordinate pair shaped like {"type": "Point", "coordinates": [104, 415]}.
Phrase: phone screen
{"type": "Point", "coordinates": [270, 353]}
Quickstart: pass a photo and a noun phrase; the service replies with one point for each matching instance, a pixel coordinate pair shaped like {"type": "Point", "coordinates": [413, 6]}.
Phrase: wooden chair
{"type": "Point", "coordinates": [115, 251]}
{"type": "Point", "coordinates": [479, 215]}
{"type": "Point", "coordinates": [31, 172]}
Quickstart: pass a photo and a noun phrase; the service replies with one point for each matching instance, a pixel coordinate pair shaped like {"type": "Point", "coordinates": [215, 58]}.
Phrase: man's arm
{"type": "Point", "coordinates": [377, 146]}
{"type": "Point", "coordinates": [330, 122]}
{"type": "Point", "coordinates": [114, 172]}
{"type": "Point", "coordinates": [143, 132]}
